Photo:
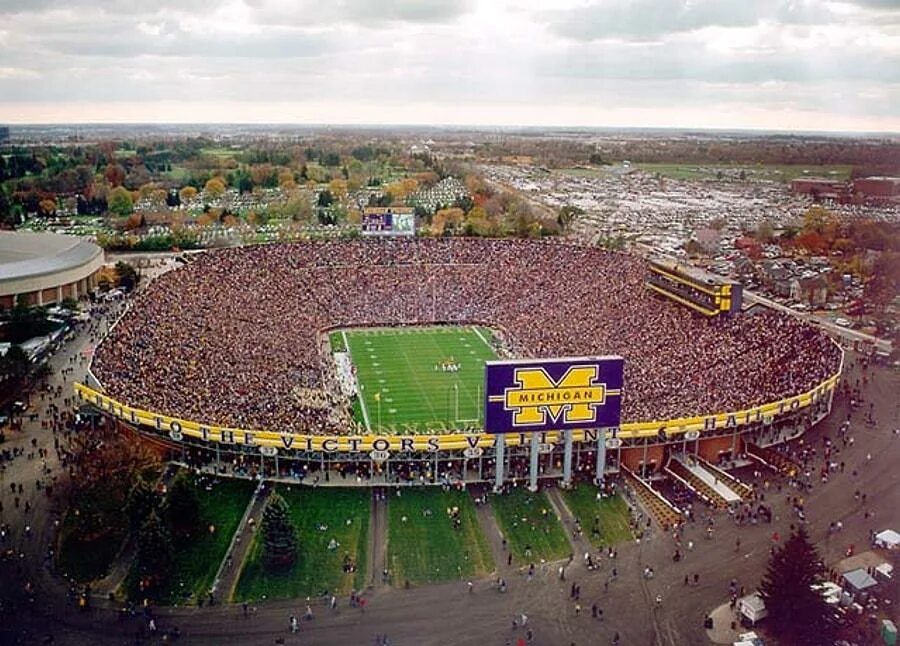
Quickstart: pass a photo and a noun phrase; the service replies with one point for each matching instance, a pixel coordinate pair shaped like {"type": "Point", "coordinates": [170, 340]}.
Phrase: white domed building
{"type": "Point", "coordinates": [46, 268]}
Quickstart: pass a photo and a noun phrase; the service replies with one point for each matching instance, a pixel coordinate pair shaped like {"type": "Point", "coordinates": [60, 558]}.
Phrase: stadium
{"type": "Point", "coordinates": [365, 359]}
{"type": "Point", "coordinates": [45, 268]}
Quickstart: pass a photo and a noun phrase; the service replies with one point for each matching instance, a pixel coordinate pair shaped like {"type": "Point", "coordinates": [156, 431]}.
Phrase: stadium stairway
{"type": "Point", "coordinates": [664, 512]}
{"type": "Point", "coordinates": [772, 459]}
{"type": "Point", "coordinates": [739, 487]}
{"type": "Point", "coordinates": [701, 482]}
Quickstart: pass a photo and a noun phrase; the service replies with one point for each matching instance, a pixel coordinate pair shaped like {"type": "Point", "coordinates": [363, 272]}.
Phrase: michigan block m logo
{"type": "Point", "coordinates": [571, 400]}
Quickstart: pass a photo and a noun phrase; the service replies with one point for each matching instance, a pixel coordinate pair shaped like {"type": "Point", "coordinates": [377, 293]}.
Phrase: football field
{"type": "Point", "coordinates": [418, 379]}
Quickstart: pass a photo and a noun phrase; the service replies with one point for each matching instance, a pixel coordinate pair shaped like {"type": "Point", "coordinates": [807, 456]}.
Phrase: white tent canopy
{"type": "Point", "coordinates": [887, 538]}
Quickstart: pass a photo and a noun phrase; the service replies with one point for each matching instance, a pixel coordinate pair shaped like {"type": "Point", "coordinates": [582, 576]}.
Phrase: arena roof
{"type": "Point", "coordinates": [27, 254]}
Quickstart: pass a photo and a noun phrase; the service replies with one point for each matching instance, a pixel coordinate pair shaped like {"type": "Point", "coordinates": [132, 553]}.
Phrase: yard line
{"type": "Point", "coordinates": [481, 336]}
{"type": "Point", "coordinates": [359, 393]}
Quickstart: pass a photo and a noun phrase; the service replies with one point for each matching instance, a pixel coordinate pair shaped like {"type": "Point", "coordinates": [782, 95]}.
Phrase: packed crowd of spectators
{"type": "Point", "coordinates": [228, 338]}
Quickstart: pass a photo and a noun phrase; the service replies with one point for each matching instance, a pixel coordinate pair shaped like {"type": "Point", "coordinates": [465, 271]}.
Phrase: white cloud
{"type": "Point", "coordinates": [507, 61]}
{"type": "Point", "coordinates": [18, 73]}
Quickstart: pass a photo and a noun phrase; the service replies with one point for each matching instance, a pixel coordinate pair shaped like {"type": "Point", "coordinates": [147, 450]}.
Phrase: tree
{"type": "Point", "coordinates": [142, 501]}
{"type": "Point", "coordinates": [127, 275]}
{"type": "Point", "coordinates": [14, 366]}
{"type": "Point", "coordinates": [187, 194]}
{"type": "Point", "coordinates": [479, 223]}
{"type": "Point", "coordinates": [325, 198]}
{"type": "Point", "coordinates": [155, 555]}
{"type": "Point", "coordinates": [279, 535]}
{"type": "Point", "coordinates": [447, 221]}
{"type": "Point", "coordinates": [183, 505]}
{"type": "Point", "coordinates": [764, 232]}
{"type": "Point", "coordinates": [119, 201]}
{"type": "Point", "coordinates": [798, 614]}
{"type": "Point", "coordinates": [114, 174]}
{"type": "Point", "coordinates": [215, 187]}
{"type": "Point", "coordinates": [47, 207]}
{"type": "Point", "coordinates": [567, 215]}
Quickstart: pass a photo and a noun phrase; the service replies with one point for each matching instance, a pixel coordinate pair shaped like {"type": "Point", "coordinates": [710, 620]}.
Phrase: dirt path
{"type": "Point", "coordinates": [489, 527]}
{"type": "Point", "coordinates": [578, 544]}
{"type": "Point", "coordinates": [378, 540]}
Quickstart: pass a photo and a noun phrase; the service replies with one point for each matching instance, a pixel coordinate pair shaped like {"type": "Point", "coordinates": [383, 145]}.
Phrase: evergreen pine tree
{"type": "Point", "coordinates": [155, 554]}
{"type": "Point", "coordinates": [278, 534]}
{"type": "Point", "coordinates": [142, 500]}
{"type": "Point", "coordinates": [798, 615]}
{"type": "Point", "coordinates": [183, 505]}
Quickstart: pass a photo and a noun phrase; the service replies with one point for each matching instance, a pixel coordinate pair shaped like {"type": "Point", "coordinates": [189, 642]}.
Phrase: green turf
{"type": "Point", "coordinates": [317, 569]}
{"type": "Point", "coordinates": [771, 172]}
{"type": "Point", "coordinates": [218, 151]}
{"type": "Point", "coordinates": [527, 520]}
{"type": "Point", "coordinates": [197, 558]}
{"type": "Point", "coordinates": [426, 548]}
{"type": "Point", "coordinates": [399, 365]}
{"type": "Point", "coordinates": [612, 514]}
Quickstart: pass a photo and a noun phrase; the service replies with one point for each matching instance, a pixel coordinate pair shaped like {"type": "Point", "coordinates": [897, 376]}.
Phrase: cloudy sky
{"type": "Point", "coordinates": [784, 64]}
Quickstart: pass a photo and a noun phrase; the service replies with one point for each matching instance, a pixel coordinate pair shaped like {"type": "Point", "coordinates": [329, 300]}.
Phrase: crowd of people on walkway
{"type": "Point", "coordinates": [228, 338]}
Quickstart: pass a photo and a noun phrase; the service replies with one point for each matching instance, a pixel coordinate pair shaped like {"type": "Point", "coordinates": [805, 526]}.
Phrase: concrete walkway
{"type": "Point", "coordinates": [578, 544]}
{"type": "Point", "coordinates": [491, 530]}
{"type": "Point", "coordinates": [378, 541]}
{"type": "Point", "coordinates": [721, 632]}
{"type": "Point", "coordinates": [230, 569]}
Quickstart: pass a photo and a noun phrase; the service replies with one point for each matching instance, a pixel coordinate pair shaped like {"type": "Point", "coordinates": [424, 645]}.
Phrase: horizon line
{"type": "Point", "coordinates": [452, 126]}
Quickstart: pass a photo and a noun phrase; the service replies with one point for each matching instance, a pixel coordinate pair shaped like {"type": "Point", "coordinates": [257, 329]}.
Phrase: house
{"type": "Point", "coordinates": [811, 289]}
{"type": "Point", "coordinates": [777, 275]}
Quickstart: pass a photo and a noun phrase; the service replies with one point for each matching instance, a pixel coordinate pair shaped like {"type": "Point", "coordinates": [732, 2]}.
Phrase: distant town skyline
{"type": "Point", "coordinates": [727, 64]}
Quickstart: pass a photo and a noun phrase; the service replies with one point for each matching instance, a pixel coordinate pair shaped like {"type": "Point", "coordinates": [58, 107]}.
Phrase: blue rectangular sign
{"type": "Point", "coordinates": [553, 394]}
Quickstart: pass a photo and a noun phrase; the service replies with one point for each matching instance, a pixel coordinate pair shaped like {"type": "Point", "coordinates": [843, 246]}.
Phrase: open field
{"type": "Point", "coordinates": [531, 527]}
{"type": "Point", "coordinates": [424, 547]}
{"type": "Point", "coordinates": [219, 151]}
{"type": "Point", "coordinates": [403, 387]}
{"type": "Point", "coordinates": [320, 515]}
{"type": "Point", "coordinates": [611, 515]}
{"type": "Point", "coordinates": [771, 172]}
{"type": "Point", "coordinates": [710, 171]}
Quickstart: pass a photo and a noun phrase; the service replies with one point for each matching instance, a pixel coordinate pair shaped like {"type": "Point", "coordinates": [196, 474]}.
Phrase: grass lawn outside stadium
{"type": "Point", "coordinates": [532, 529]}
{"type": "Point", "coordinates": [319, 514]}
{"type": "Point", "coordinates": [611, 515]}
{"type": "Point", "coordinates": [403, 387]}
{"type": "Point", "coordinates": [423, 545]}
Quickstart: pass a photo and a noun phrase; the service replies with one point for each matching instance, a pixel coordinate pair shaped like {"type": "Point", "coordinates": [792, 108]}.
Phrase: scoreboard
{"type": "Point", "coordinates": [388, 221]}
{"type": "Point", "coordinates": [705, 293]}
